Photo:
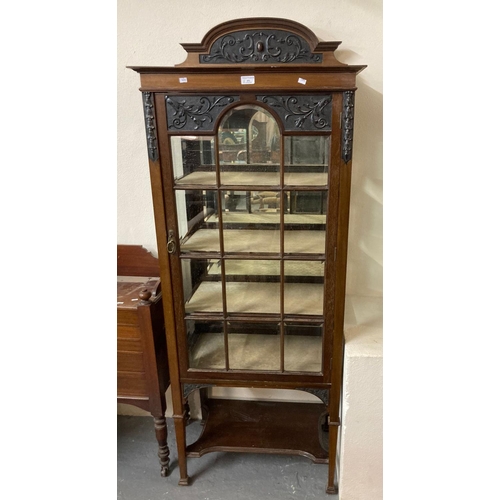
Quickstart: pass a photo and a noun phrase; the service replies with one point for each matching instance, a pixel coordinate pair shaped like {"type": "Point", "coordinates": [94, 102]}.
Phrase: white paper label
{"type": "Point", "coordinates": [302, 81]}
{"type": "Point", "coordinates": [247, 80]}
{"type": "Point", "coordinates": [183, 80]}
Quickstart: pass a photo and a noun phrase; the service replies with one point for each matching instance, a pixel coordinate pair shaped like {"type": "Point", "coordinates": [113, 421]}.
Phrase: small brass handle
{"type": "Point", "coordinates": [171, 245]}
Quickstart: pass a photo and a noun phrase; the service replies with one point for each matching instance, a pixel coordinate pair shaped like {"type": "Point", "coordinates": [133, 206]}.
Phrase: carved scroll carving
{"type": "Point", "coordinates": [192, 113]}
{"type": "Point", "coordinates": [347, 125]}
{"type": "Point", "coordinates": [149, 118]}
{"type": "Point", "coordinates": [267, 46]}
{"type": "Point", "coordinates": [302, 112]}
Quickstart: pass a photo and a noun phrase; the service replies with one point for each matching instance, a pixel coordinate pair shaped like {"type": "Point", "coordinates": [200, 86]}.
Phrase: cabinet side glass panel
{"type": "Point", "coordinates": [206, 345]}
{"type": "Point", "coordinates": [197, 220]}
{"type": "Point", "coordinates": [193, 160]}
{"type": "Point", "coordinates": [202, 286]}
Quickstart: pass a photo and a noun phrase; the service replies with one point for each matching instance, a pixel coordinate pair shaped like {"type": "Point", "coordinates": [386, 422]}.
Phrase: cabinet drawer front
{"type": "Point", "coordinates": [130, 362]}
{"type": "Point", "coordinates": [128, 332]}
{"type": "Point", "coordinates": [127, 317]}
{"type": "Point", "coordinates": [134, 345]}
{"type": "Point", "coordinates": [132, 384]}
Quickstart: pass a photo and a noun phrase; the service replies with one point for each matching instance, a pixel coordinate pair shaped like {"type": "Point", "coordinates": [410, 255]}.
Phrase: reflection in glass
{"type": "Point", "coordinates": [197, 220]}
{"type": "Point", "coordinates": [304, 287]}
{"type": "Point", "coordinates": [249, 147]}
{"type": "Point", "coordinates": [193, 160]}
{"type": "Point", "coordinates": [206, 345]}
{"type": "Point", "coordinates": [306, 160]}
{"type": "Point", "coordinates": [305, 222]}
{"type": "Point", "coordinates": [254, 346]}
{"type": "Point", "coordinates": [303, 347]}
{"type": "Point", "coordinates": [202, 285]}
{"type": "Point", "coordinates": [251, 221]}
{"type": "Point", "coordinates": [252, 286]}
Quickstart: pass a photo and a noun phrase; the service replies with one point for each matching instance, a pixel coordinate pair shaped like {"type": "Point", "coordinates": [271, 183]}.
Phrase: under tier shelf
{"type": "Point", "coordinates": [258, 298]}
{"type": "Point", "coordinates": [208, 179]}
{"type": "Point", "coordinates": [255, 240]}
{"type": "Point", "coordinates": [251, 351]}
{"type": "Point", "coordinates": [262, 427]}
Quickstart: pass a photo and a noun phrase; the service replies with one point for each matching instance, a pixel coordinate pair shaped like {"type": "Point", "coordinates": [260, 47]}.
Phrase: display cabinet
{"type": "Point", "coordinates": [250, 145]}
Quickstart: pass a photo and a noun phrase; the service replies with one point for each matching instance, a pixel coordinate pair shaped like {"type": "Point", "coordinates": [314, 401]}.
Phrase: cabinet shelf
{"type": "Point", "coordinates": [269, 217]}
{"type": "Point", "coordinates": [262, 427]}
{"type": "Point", "coordinates": [251, 180]}
{"type": "Point", "coordinates": [257, 298]}
{"type": "Point", "coordinates": [255, 240]}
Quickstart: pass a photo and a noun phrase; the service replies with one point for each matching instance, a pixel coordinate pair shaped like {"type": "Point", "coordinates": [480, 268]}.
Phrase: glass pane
{"type": "Point", "coordinates": [251, 221]}
{"type": "Point", "coordinates": [305, 221]}
{"type": "Point", "coordinates": [197, 220]}
{"type": "Point", "coordinates": [202, 285]}
{"type": "Point", "coordinates": [306, 160]}
{"type": "Point", "coordinates": [193, 160]}
{"type": "Point", "coordinates": [206, 345]}
{"type": "Point", "coordinates": [249, 147]}
{"type": "Point", "coordinates": [254, 346]}
{"type": "Point", "coordinates": [303, 347]}
{"type": "Point", "coordinates": [304, 287]}
{"type": "Point", "coordinates": [252, 286]}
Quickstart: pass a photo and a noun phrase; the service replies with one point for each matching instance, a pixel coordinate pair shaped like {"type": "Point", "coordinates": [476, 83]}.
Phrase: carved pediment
{"type": "Point", "coordinates": [260, 40]}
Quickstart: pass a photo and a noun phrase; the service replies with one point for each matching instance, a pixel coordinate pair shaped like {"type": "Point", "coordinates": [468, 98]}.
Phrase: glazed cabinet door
{"type": "Point", "coordinates": [251, 199]}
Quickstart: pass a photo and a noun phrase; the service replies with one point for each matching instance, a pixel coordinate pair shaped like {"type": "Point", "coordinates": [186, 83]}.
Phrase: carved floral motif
{"type": "Point", "coordinates": [195, 113]}
{"type": "Point", "coordinates": [347, 125]}
{"type": "Point", "coordinates": [302, 112]}
{"type": "Point", "coordinates": [150, 126]}
{"type": "Point", "coordinates": [270, 46]}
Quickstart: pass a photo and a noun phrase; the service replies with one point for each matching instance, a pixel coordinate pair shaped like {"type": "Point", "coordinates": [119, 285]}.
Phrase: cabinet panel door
{"type": "Point", "coordinates": [251, 209]}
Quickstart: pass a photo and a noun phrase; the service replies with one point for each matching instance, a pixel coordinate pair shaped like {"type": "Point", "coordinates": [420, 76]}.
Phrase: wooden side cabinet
{"type": "Point", "coordinates": [250, 145]}
{"type": "Point", "coordinates": [142, 366]}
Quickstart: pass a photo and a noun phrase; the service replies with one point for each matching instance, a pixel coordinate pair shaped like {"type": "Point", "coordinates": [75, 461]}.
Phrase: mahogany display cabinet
{"type": "Point", "coordinates": [250, 144]}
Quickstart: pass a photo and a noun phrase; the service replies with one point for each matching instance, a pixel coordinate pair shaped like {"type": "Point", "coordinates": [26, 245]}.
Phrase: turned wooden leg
{"type": "Point", "coordinates": [161, 437]}
{"type": "Point", "coordinates": [331, 488]}
{"type": "Point", "coordinates": [180, 434]}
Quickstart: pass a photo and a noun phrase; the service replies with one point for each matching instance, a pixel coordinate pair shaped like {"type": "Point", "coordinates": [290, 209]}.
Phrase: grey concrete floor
{"type": "Point", "coordinates": [215, 476]}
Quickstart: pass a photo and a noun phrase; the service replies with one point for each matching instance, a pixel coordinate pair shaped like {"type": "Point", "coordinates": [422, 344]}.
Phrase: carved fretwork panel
{"type": "Point", "coordinates": [347, 125]}
{"type": "Point", "coordinates": [260, 46]}
{"type": "Point", "coordinates": [149, 119]}
{"type": "Point", "coordinates": [323, 394]}
{"type": "Point", "coordinates": [302, 112]}
{"type": "Point", "coordinates": [195, 113]}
